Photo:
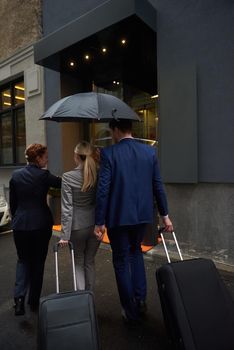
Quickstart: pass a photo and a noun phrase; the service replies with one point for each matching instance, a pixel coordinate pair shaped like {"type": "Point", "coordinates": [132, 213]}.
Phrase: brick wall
{"type": "Point", "coordinates": [20, 25]}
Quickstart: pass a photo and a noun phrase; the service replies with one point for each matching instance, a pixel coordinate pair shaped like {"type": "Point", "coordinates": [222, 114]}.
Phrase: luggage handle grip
{"type": "Point", "coordinates": [56, 246]}
{"type": "Point", "coordinates": [165, 246]}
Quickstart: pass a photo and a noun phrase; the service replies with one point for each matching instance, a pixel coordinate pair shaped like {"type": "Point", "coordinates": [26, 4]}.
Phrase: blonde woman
{"type": "Point", "coordinates": [78, 213]}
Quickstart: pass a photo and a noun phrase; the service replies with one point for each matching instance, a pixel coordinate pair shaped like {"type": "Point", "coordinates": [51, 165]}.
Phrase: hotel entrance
{"type": "Point", "coordinates": [118, 59]}
{"type": "Point", "coordinates": [145, 105]}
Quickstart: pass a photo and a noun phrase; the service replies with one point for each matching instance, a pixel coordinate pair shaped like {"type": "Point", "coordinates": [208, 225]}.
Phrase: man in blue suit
{"type": "Point", "coordinates": [129, 180]}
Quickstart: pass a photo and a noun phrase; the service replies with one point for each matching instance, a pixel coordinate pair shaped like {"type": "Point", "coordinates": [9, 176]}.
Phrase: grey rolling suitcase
{"type": "Point", "coordinates": [197, 307]}
{"type": "Point", "coordinates": [67, 321]}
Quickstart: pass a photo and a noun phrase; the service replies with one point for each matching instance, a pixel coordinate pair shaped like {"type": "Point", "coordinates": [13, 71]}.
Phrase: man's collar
{"type": "Point", "coordinates": [126, 137]}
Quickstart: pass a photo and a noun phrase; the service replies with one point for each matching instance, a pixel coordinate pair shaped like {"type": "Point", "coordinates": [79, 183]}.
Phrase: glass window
{"type": "Point", "coordinates": [12, 124]}
{"type": "Point", "coordinates": [19, 93]}
{"type": "Point", "coordinates": [20, 136]}
{"type": "Point", "coordinates": [5, 98]}
{"type": "Point", "coordinates": [6, 139]}
{"type": "Point", "coordinates": [144, 104]}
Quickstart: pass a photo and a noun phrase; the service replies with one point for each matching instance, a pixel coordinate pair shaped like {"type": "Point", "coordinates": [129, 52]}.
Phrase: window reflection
{"type": "Point", "coordinates": [5, 99]}
{"type": "Point", "coordinates": [144, 104]}
{"type": "Point", "coordinates": [12, 123]}
{"type": "Point", "coordinates": [146, 108]}
{"type": "Point", "coordinates": [19, 93]}
{"type": "Point", "coordinates": [6, 151]}
{"type": "Point", "coordinates": [20, 136]}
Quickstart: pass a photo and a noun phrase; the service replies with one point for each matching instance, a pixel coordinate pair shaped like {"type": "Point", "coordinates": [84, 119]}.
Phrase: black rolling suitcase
{"type": "Point", "coordinates": [67, 321]}
{"type": "Point", "coordinates": [197, 307]}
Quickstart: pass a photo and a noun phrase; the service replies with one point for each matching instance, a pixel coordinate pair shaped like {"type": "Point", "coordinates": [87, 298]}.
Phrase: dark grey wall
{"type": "Point", "coordinates": [197, 34]}
{"type": "Point", "coordinates": [203, 219]}
{"type": "Point", "coordinates": [53, 129]}
{"type": "Point", "coordinates": [196, 88]}
{"type": "Point", "coordinates": [57, 13]}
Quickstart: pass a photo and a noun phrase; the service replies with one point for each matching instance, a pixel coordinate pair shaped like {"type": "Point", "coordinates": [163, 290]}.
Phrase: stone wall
{"type": "Point", "coordinates": [203, 219]}
{"type": "Point", "coordinates": [20, 25]}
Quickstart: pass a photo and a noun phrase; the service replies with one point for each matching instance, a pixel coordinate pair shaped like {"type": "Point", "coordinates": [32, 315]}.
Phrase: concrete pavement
{"type": "Point", "coordinates": [20, 333]}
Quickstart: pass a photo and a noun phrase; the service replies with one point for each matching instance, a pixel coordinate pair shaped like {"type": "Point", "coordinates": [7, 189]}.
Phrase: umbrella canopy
{"type": "Point", "coordinates": [89, 106]}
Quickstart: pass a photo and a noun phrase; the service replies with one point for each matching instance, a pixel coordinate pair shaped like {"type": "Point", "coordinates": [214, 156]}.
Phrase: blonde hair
{"type": "Point", "coordinates": [85, 151]}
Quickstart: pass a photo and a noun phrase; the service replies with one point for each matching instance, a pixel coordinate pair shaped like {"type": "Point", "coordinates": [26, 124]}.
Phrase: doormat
{"type": "Point", "coordinates": [57, 229]}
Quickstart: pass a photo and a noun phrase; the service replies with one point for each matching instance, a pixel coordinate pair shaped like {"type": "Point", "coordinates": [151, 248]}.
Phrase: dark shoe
{"type": "Point", "coordinates": [19, 306]}
{"type": "Point", "coordinates": [131, 323]}
{"type": "Point", "coordinates": [142, 307]}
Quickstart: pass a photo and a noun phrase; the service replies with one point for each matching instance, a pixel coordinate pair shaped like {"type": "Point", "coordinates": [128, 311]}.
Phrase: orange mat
{"type": "Point", "coordinates": [57, 228]}
{"type": "Point", "coordinates": [145, 248]}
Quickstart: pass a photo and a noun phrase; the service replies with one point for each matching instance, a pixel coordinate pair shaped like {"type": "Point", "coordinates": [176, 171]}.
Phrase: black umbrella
{"type": "Point", "coordinates": [89, 106]}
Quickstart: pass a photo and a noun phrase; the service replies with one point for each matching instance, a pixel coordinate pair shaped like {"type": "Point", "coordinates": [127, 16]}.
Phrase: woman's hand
{"type": "Point", "coordinates": [99, 232]}
{"type": "Point", "coordinates": [63, 243]}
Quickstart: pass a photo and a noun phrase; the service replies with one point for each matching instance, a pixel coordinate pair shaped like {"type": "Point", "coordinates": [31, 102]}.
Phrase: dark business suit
{"type": "Point", "coordinates": [32, 226]}
{"type": "Point", "coordinates": [129, 179]}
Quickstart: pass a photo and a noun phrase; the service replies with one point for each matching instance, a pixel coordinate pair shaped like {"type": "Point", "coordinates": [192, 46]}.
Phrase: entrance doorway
{"type": "Point", "coordinates": [120, 60]}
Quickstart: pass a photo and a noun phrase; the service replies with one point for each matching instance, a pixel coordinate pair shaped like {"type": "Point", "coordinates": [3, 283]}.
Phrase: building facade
{"type": "Point", "coordinates": [173, 63]}
{"type": "Point", "coordinates": [21, 83]}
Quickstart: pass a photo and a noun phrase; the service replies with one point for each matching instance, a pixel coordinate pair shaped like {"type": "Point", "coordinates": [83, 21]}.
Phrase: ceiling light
{"type": "Point", "coordinates": [154, 96]}
{"type": "Point", "coordinates": [103, 49]}
{"type": "Point", "coordinates": [123, 41]}
{"type": "Point", "coordinates": [87, 57]}
{"type": "Point", "coordinates": [72, 64]}
{"type": "Point", "coordinates": [19, 87]}
{"type": "Point", "coordinates": [20, 98]}
{"type": "Point", "coordinates": [7, 103]}
{"type": "Point", "coordinates": [6, 95]}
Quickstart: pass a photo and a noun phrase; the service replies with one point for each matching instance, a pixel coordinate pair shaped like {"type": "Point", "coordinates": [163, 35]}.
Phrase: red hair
{"type": "Point", "coordinates": [33, 151]}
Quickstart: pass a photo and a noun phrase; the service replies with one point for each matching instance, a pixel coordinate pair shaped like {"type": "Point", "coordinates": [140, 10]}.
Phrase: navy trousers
{"type": "Point", "coordinates": [32, 248]}
{"type": "Point", "coordinates": [129, 266]}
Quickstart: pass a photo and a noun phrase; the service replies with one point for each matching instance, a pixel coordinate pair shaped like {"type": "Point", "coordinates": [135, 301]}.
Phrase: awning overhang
{"type": "Point", "coordinates": [47, 50]}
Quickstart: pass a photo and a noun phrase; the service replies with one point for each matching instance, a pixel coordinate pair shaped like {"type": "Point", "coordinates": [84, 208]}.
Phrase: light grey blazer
{"type": "Point", "coordinates": [77, 208]}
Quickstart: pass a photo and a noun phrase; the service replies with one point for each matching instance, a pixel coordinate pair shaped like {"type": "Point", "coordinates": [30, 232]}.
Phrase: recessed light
{"type": "Point", "coordinates": [123, 41]}
{"type": "Point", "coordinates": [104, 49]}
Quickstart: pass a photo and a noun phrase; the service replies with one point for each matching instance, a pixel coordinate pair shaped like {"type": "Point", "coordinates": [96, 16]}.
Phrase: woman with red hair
{"type": "Point", "coordinates": [32, 223]}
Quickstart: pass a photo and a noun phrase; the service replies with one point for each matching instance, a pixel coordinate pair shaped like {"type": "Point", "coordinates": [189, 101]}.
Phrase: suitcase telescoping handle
{"type": "Point", "coordinates": [165, 247]}
{"type": "Point", "coordinates": [56, 248]}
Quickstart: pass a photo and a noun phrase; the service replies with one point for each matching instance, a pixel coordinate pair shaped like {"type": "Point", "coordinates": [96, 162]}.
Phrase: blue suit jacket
{"type": "Point", "coordinates": [28, 198]}
{"type": "Point", "coordinates": [129, 179]}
